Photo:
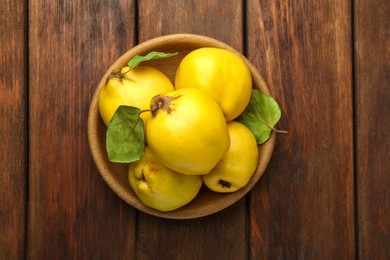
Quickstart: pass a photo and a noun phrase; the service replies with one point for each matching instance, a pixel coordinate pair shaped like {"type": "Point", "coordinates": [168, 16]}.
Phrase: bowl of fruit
{"type": "Point", "coordinates": [182, 126]}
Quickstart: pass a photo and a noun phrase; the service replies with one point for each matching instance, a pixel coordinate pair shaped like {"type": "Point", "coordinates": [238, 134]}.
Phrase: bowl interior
{"type": "Point", "coordinates": [115, 175]}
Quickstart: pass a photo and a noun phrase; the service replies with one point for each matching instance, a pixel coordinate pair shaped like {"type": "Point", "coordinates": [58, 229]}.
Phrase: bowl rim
{"type": "Point", "coordinates": [104, 170]}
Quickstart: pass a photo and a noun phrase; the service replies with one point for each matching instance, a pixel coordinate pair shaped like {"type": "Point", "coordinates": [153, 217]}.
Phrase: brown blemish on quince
{"type": "Point", "coordinates": [161, 102]}
{"type": "Point", "coordinates": [225, 184]}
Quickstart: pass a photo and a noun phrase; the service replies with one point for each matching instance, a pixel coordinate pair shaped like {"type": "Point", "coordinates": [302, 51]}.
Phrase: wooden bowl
{"type": "Point", "coordinates": [115, 175]}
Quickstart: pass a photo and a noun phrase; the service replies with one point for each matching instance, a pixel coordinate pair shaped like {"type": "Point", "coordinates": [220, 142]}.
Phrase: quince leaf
{"type": "Point", "coordinates": [125, 135]}
{"type": "Point", "coordinates": [154, 55]}
{"type": "Point", "coordinates": [261, 115]}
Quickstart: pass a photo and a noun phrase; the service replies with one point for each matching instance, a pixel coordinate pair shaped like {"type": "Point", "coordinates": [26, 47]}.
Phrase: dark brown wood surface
{"type": "Point", "coordinates": [324, 194]}
{"type": "Point", "coordinates": [72, 213]}
{"type": "Point", "coordinates": [13, 130]}
{"type": "Point", "coordinates": [305, 203]}
{"type": "Point", "coordinates": [372, 88]}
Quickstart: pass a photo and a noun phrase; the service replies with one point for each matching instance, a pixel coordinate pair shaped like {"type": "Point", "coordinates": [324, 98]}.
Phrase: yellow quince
{"type": "Point", "coordinates": [187, 131]}
{"type": "Point", "coordinates": [221, 74]}
{"type": "Point", "coordinates": [239, 163]}
{"type": "Point", "coordinates": [159, 187]}
{"type": "Point", "coordinates": [132, 87]}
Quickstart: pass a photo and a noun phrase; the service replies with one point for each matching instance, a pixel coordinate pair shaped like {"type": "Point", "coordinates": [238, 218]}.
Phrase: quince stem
{"type": "Point", "coordinates": [153, 109]}
{"type": "Point", "coordinates": [121, 74]}
{"type": "Point", "coordinates": [139, 117]}
{"type": "Point", "coordinates": [117, 74]}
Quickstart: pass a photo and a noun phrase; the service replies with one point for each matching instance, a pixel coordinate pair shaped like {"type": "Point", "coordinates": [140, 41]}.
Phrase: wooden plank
{"type": "Point", "coordinates": [73, 214]}
{"type": "Point", "coordinates": [304, 205]}
{"type": "Point", "coordinates": [219, 236]}
{"type": "Point", "coordinates": [13, 135]}
{"type": "Point", "coordinates": [372, 95]}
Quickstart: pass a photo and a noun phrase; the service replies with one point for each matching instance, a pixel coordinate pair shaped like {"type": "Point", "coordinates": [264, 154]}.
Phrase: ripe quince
{"type": "Point", "coordinates": [187, 131]}
{"type": "Point", "coordinates": [239, 163]}
{"type": "Point", "coordinates": [159, 187]}
{"type": "Point", "coordinates": [132, 87]}
{"type": "Point", "coordinates": [221, 74]}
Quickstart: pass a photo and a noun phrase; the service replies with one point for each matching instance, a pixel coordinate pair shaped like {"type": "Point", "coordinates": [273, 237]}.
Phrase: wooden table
{"type": "Point", "coordinates": [325, 193]}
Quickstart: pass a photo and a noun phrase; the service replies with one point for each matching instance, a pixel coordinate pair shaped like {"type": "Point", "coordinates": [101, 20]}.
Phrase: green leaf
{"type": "Point", "coordinates": [261, 115]}
{"type": "Point", "coordinates": [154, 55]}
{"type": "Point", "coordinates": [125, 136]}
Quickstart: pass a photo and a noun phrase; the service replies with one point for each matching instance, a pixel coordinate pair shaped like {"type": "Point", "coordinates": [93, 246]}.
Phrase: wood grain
{"type": "Point", "coordinates": [72, 212]}
{"type": "Point", "coordinates": [372, 90]}
{"type": "Point", "coordinates": [219, 236]}
{"type": "Point", "coordinates": [216, 19]}
{"type": "Point", "coordinates": [13, 130]}
{"type": "Point", "coordinates": [304, 205]}
{"type": "Point", "coordinates": [54, 204]}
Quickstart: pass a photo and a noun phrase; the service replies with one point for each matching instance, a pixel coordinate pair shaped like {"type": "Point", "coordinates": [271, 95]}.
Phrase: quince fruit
{"type": "Point", "coordinates": [132, 87]}
{"type": "Point", "coordinates": [187, 131]}
{"type": "Point", "coordinates": [159, 187]}
{"type": "Point", "coordinates": [221, 74]}
{"type": "Point", "coordinates": [239, 163]}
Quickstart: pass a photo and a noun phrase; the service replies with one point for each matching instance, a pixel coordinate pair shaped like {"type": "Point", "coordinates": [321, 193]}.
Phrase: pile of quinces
{"type": "Point", "coordinates": [188, 134]}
